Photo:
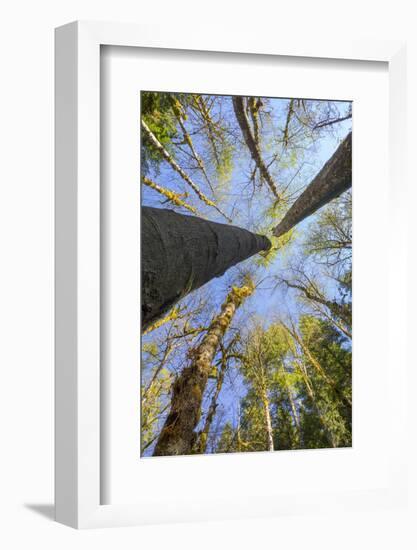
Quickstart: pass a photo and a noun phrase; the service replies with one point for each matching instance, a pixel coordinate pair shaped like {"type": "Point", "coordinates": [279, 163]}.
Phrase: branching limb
{"type": "Point", "coordinates": [189, 142]}
{"type": "Point", "coordinates": [329, 122]}
{"type": "Point", "coordinates": [252, 144]}
{"type": "Point", "coordinates": [179, 170]}
{"type": "Point", "coordinates": [172, 197]}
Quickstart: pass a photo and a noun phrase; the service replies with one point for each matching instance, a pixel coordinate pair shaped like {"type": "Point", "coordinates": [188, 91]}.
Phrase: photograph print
{"type": "Point", "coordinates": [246, 274]}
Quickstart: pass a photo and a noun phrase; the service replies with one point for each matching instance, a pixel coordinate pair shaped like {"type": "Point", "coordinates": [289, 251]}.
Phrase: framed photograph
{"type": "Point", "coordinates": [222, 350]}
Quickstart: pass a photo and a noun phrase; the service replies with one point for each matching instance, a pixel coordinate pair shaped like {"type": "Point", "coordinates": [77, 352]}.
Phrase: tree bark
{"type": "Point", "coordinates": [268, 422]}
{"type": "Point", "coordinates": [177, 437]}
{"type": "Point", "coordinates": [333, 179]}
{"type": "Point", "coordinates": [287, 123]}
{"type": "Point", "coordinates": [295, 415]}
{"type": "Point", "coordinates": [203, 436]}
{"type": "Point", "coordinates": [181, 253]}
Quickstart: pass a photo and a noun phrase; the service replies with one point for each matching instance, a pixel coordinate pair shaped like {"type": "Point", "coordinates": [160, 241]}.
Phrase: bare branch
{"type": "Point", "coordinates": [324, 123]}
{"type": "Point", "coordinates": [252, 145]}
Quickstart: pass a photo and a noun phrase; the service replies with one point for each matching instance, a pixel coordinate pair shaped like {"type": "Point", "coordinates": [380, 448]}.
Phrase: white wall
{"type": "Point", "coordinates": [26, 272]}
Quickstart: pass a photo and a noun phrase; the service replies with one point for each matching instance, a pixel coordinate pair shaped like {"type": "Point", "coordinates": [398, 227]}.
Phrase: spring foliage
{"type": "Point", "coordinates": [277, 372]}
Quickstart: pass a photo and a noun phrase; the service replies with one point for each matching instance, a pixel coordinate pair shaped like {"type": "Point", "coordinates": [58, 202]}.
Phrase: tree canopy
{"type": "Point", "coordinates": [247, 206]}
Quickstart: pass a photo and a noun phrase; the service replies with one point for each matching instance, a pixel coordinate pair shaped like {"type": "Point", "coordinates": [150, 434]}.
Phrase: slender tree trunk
{"type": "Point", "coordinates": [268, 423]}
{"type": "Point", "coordinates": [344, 330]}
{"type": "Point", "coordinates": [294, 409]}
{"type": "Point", "coordinates": [252, 144]}
{"type": "Point", "coordinates": [287, 123]}
{"type": "Point", "coordinates": [201, 107]}
{"type": "Point", "coordinates": [317, 409]}
{"type": "Point", "coordinates": [181, 253]}
{"type": "Point", "coordinates": [335, 308]}
{"type": "Point", "coordinates": [177, 437]}
{"type": "Point", "coordinates": [203, 435]}
{"type": "Point", "coordinates": [189, 141]}
{"type": "Point", "coordinates": [292, 403]}
{"type": "Point", "coordinates": [169, 348]}
{"type": "Point", "coordinates": [253, 108]}
{"type": "Point", "coordinates": [345, 400]}
{"type": "Point", "coordinates": [333, 179]}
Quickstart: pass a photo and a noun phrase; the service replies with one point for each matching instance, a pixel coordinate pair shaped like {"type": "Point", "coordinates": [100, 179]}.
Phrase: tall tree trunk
{"type": "Point", "coordinates": [343, 329]}
{"type": "Point", "coordinates": [289, 391]}
{"type": "Point", "coordinates": [182, 253]}
{"type": "Point", "coordinates": [287, 123]}
{"type": "Point", "coordinates": [333, 179]}
{"type": "Point", "coordinates": [268, 422]}
{"type": "Point", "coordinates": [314, 295]}
{"type": "Point", "coordinates": [210, 125]}
{"type": "Point", "coordinates": [316, 407]}
{"type": "Point", "coordinates": [204, 434]}
{"type": "Point", "coordinates": [252, 144]}
{"type": "Point", "coordinates": [177, 437]}
{"type": "Point", "coordinates": [179, 114]}
{"type": "Point", "coordinates": [329, 380]}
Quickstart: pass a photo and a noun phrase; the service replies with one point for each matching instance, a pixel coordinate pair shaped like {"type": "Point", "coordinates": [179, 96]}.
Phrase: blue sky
{"type": "Point", "coordinates": [266, 303]}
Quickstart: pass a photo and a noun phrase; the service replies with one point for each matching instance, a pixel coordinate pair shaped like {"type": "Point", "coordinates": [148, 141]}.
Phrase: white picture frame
{"type": "Point", "coordinates": [77, 242]}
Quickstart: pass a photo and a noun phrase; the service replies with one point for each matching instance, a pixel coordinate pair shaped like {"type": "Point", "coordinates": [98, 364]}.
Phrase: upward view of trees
{"type": "Point", "coordinates": [246, 258]}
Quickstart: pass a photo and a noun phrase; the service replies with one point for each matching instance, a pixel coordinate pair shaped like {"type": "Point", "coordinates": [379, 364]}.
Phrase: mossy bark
{"type": "Point", "coordinates": [181, 253]}
{"type": "Point", "coordinates": [178, 434]}
{"type": "Point", "coordinates": [203, 436]}
{"type": "Point", "coordinates": [333, 179]}
{"type": "Point", "coordinates": [170, 195]}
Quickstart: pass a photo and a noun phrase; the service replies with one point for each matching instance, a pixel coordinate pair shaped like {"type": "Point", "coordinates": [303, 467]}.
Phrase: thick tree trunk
{"type": "Point", "coordinates": [182, 253]}
{"type": "Point", "coordinates": [333, 179]}
{"type": "Point", "coordinates": [177, 437]}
